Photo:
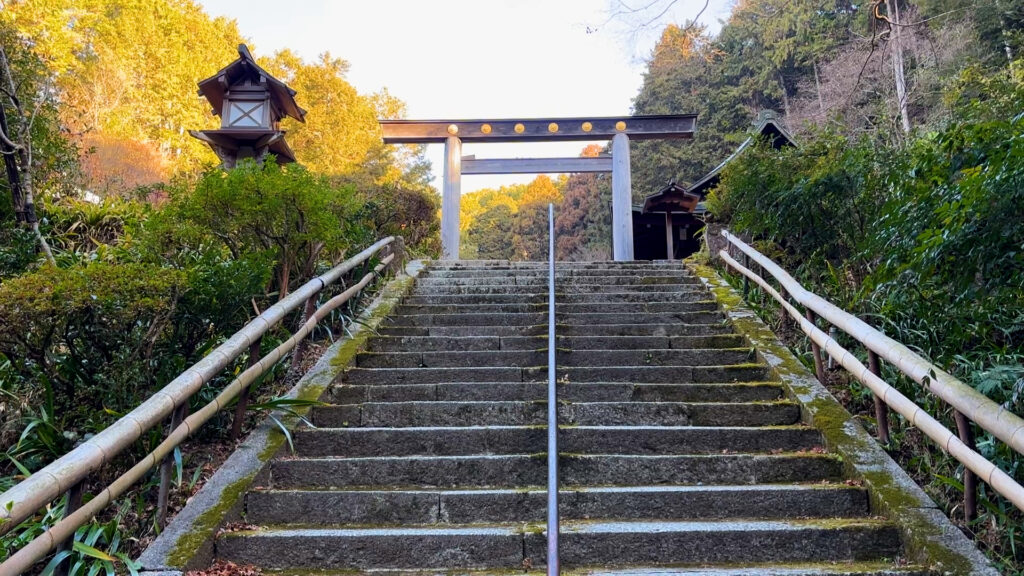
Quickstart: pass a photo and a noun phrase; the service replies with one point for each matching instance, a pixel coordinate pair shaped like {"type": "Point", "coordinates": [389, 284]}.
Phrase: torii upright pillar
{"type": "Point", "coordinates": [451, 197]}
{"type": "Point", "coordinates": [622, 201]}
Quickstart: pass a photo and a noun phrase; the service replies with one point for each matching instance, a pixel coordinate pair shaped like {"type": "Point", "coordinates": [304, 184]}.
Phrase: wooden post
{"type": "Point", "coordinates": [746, 281]}
{"type": "Point", "coordinates": [819, 368]}
{"type": "Point", "coordinates": [670, 239]}
{"type": "Point", "coordinates": [966, 433]}
{"type": "Point", "coordinates": [451, 198]}
{"type": "Point", "coordinates": [881, 409]}
{"type": "Point", "coordinates": [300, 347]}
{"type": "Point", "coordinates": [74, 503]}
{"type": "Point", "coordinates": [165, 470]}
{"type": "Point", "coordinates": [622, 200]}
{"type": "Point", "coordinates": [243, 396]}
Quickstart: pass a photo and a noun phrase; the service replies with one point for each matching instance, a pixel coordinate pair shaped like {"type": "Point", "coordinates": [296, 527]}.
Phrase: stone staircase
{"type": "Point", "coordinates": [679, 454]}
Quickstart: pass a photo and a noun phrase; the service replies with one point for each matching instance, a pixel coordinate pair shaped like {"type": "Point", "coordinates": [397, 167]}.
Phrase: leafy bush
{"type": "Point", "coordinates": [925, 242]}
{"type": "Point", "coordinates": [90, 330]}
{"type": "Point", "coordinates": [283, 213]}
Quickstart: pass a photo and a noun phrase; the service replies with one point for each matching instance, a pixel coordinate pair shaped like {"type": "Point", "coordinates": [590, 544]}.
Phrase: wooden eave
{"type": "Point", "coordinates": [671, 198]}
{"type": "Point", "coordinates": [229, 139]}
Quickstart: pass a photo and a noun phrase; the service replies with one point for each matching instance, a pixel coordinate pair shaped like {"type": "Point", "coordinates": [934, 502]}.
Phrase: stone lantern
{"type": "Point", "coordinates": [251, 104]}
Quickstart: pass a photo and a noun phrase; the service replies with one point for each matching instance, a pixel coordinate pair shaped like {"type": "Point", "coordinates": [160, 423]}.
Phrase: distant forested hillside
{"type": "Point", "coordinates": [881, 70]}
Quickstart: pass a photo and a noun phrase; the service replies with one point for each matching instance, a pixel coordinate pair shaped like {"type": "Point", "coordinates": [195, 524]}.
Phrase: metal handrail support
{"type": "Point", "coordinates": [553, 561]}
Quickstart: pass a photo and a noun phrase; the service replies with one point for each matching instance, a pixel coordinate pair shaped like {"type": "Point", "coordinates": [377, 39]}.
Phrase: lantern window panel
{"type": "Point", "coordinates": [246, 114]}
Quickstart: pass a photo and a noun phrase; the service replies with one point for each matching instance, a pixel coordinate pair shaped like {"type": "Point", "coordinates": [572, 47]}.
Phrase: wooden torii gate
{"type": "Point", "coordinates": [618, 129]}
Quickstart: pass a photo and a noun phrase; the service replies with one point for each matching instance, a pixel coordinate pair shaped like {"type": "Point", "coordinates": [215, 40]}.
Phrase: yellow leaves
{"type": "Point", "coordinates": [541, 191]}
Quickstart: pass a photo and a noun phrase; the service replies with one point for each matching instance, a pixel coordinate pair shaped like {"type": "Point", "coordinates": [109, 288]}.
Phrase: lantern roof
{"type": "Point", "coordinates": [215, 88]}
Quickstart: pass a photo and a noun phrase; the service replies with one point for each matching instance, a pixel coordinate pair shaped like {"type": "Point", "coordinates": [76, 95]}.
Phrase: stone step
{"type": "Point", "coordinates": [425, 507]}
{"type": "Point", "coordinates": [563, 329]}
{"type": "Point", "coordinates": [542, 308]}
{"type": "Point", "coordinates": [560, 272]}
{"type": "Point", "coordinates": [449, 289]}
{"type": "Point", "coordinates": [880, 568]}
{"type": "Point", "coordinates": [506, 546]}
{"type": "Point", "coordinates": [602, 264]}
{"type": "Point", "coordinates": [563, 357]}
{"type": "Point", "coordinates": [434, 413]}
{"type": "Point", "coordinates": [521, 470]}
{"type": "Point", "coordinates": [561, 298]}
{"type": "Point", "coordinates": [493, 439]}
{"type": "Point", "coordinates": [568, 392]}
{"type": "Point", "coordinates": [540, 342]}
{"type": "Point", "coordinates": [608, 279]}
{"type": "Point", "coordinates": [758, 569]}
{"type": "Point", "coordinates": [579, 374]}
{"type": "Point", "coordinates": [535, 318]}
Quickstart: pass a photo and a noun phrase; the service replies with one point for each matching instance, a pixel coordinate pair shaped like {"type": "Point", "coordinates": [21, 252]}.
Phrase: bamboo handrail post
{"type": "Point", "coordinates": [308, 310]}
{"type": "Point", "coordinates": [163, 492]}
{"type": "Point", "coordinates": [746, 281]}
{"type": "Point", "coordinates": [74, 503]}
{"type": "Point", "coordinates": [1000, 481]}
{"type": "Point", "coordinates": [966, 433]}
{"type": "Point", "coordinates": [819, 367]}
{"type": "Point", "coordinates": [354, 303]}
{"type": "Point", "coordinates": [243, 396]}
{"type": "Point", "coordinates": [881, 408]}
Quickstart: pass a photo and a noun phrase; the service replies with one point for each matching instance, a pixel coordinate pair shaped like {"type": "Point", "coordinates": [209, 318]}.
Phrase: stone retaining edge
{"type": "Point", "coordinates": [930, 539]}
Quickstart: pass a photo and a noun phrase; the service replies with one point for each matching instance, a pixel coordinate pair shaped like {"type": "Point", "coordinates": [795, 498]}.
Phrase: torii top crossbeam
{"type": "Point", "coordinates": [618, 129]}
{"type": "Point", "coordinates": [539, 129]}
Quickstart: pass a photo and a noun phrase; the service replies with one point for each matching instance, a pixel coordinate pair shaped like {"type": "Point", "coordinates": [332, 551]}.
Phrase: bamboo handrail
{"type": "Point", "coordinates": [49, 483]}
{"type": "Point", "coordinates": [998, 421]}
{"type": "Point", "coordinates": [887, 348]}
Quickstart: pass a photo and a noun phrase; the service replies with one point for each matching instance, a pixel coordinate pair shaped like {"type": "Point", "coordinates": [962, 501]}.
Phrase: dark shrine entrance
{"type": "Point", "coordinates": [668, 225]}
{"type": "Point", "coordinates": [649, 238]}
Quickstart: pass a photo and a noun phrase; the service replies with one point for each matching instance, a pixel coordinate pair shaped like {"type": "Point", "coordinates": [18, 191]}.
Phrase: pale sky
{"type": "Point", "coordinates": [454, 59]}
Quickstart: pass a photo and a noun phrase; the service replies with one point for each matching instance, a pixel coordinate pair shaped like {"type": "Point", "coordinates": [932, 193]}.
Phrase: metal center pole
{"type": "Point", "coordinates": [553, 563]}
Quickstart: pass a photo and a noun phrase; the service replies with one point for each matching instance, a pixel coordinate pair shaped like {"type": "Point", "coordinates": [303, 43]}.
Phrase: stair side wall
{"type": "Point", "coordinates": [187, 542]}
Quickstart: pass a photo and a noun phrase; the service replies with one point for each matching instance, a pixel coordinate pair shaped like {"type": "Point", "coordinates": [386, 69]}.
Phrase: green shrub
{"type": "Point", "coordinates": [926, 242]}
{"type": "Point", "coordinates": [90, 330]}
{"type": "Point", "coordinates": [284, 213]}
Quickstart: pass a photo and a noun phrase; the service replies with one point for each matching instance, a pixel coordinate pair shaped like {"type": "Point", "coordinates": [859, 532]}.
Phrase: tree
{"type": "Point", "coordinates": [583, 218]}
{"type": "Point", "coordinates": [341, 131]}
{"type": "Point", "coordinates": [682, 77]}
{"type": "Point", "coordinates": [26, 119]}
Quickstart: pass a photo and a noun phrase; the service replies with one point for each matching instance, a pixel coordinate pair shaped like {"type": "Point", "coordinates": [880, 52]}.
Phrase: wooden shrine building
{"type": "Point", "coordinates": [670, 222]}
{"type": "Point", "coordinates": [667, 225]}
{"type": "Point", "coordinates": [250, 103]}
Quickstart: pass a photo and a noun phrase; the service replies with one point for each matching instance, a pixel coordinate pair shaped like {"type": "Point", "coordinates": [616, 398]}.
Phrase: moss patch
{"type": "Point", "coordinates": [928, 537]}
{"type": "Point", "coordinates": [205, 526]}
